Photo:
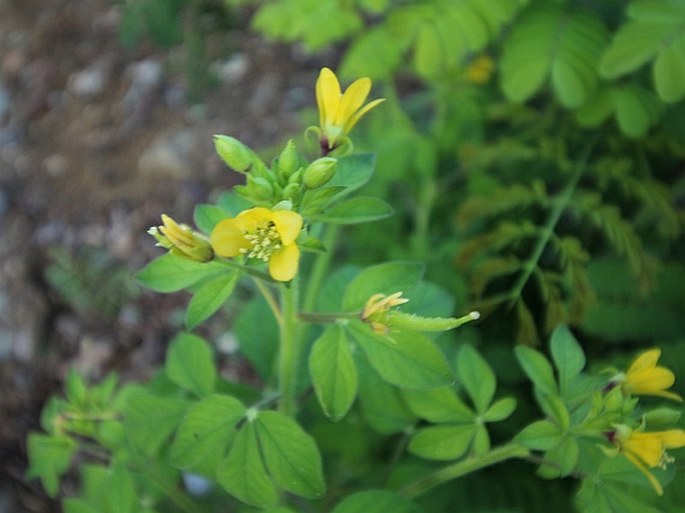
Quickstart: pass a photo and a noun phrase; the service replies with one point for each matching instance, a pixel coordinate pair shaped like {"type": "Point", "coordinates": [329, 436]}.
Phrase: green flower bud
{"type": "Point", "coordinates": [296, 177]}
{"type": "Point", "coordinates": [319, 172]}
{"type": "Point", "coordinates": [614, 400]}
{"type": "Point", "coordinates": [662, 417]}
{"type": "Point", "coordinates": [288, 160]}
{"type": "Point", "coordinates": [234, 153]}
{"type": "Point", "coordinates": [259, 188]}
{"type": "Point", "coordinates": [292, 192]}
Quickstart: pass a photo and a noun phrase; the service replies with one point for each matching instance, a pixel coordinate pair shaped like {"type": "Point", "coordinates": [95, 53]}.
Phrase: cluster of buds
{"type": "Point", "coordinates": [288, 179]}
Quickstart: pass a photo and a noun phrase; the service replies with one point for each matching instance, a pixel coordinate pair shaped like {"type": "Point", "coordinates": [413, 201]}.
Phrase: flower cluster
{"type": "Point", "coordinates": [267, 233]}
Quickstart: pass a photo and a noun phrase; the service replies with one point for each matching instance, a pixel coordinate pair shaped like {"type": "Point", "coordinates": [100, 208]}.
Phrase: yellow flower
{"type": "Point", "coordinates": [480, 70]}
{"type": "Point", "coordinates": [376, 308]}
{"type": "Point", "coordinates": [263, 234]}
{"type": "Point", "coordinates": [644, 377]}
{"type": "Point", "coordinates": [339, 112]}
{"type": "Point", "coordinates": [648, 450]}
{"type": "Point", "coordinates": [180, 240]}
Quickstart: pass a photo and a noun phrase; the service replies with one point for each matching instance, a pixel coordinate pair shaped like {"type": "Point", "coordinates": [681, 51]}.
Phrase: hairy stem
{"type": "Point", "coordinates": [290, 349]}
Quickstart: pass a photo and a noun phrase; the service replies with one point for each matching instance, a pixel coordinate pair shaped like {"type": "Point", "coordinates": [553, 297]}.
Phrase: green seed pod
{"type": "Point", "coordinates": [319, 172]}
{"type": "Point", "coordinates": [413, 322]}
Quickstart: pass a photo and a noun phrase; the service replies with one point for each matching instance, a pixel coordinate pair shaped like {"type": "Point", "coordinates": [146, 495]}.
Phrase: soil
{"type": "Point", "coordinates": [96, 141]}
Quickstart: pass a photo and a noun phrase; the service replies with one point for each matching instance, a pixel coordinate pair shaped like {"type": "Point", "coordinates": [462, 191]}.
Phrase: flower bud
{"type": "Point", "coordinates": [288, 160]}
{"type": "Point", "coordinates": [259, 188]}
{"type": "Point", "coordinates": [319, 172]}
{"type": "Point", "coordinates": [181, 240]}
{"type": "Point", "coordinates": [292, 191]}
{"type": "Point", "coordinates": [234, 153]}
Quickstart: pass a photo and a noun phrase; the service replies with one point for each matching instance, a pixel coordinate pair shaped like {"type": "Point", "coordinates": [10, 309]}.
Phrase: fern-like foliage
{"type": "Point", "coordinates": [528, 243]}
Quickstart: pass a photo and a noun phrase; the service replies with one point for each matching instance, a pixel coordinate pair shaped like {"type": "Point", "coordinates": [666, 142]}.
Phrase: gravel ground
{"type": "Point", "coordinates": [96, 141]}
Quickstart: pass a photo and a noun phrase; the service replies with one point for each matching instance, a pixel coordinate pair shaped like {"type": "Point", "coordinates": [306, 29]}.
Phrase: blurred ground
{"type": "Point", "coordinates": [95, 143]}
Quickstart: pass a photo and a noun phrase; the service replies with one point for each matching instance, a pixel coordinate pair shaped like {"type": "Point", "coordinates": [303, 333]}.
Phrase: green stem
{"type": "Point", "coordinates": [270, 300]}
{"type": "Point", "coordinates": [548, 230]}
{"type": "Point", "coordinates": [290, 349]}
{"type": "Point", "coordinates": [463, 467]}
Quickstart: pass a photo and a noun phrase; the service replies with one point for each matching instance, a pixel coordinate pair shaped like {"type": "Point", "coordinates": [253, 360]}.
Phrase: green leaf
{"type": "Point", "coordinates": [206, 217]}
{"type": "Point", "coordinates": [438, 405]}
{"type": "Point", "coordinates": [442, 443]}
{"type": "Point", "coordinates": [541, 435]}
{"type": "Point", "coordinates": [500, 410]}
{"type": "Point", "coordinates": [243, 474]}
{"type": "Point", "coordinates": [376, 53]}
{"type": "Point", "coordinates": [633, 45]}
{"type": "Point", "coordinates": [257, 334]}
{"type": "Point", "coordinates": [333, 372]}
{"type": "Point", "coordinates": [206, 431]}
{"type": "Point", "coordinates": [149, 420]}
{"type": "Point", "coordinates": [119, 492]}
{"type": "Point", "coordinates": [568, 356]}
{"type": "Point", "coordinates": [537, 368]}
{"type": "Point", "coordinates": [376, 501]}
{"type": "Point", "coordinates": [360, 209]}
{"type": "Point", "coordinates": [669, 72]}
{"type": "Point", "coordinates": [405, 359]}
{"type": "Point", "coordinates": [477, 377]}
{"type": "Point", "coordinates": [49, 457]}
{"type": "Point", "coordinates": [386, 278]}
{"type": "Point", "coordinates": [632, 113]}
{"type": "Point", "coordinates": [78, 506]}
{"type": "Point", "coordinates": [381, 404]}
{"type": "Point", "coordinates": [210, 297]}
{"type": "Point", "coordinates": [190, 364]}
{"type": "Point", "coordinates": [75, 388]}
{"type": "Point", "coordinates": [564, 456]}
{"type": "Point", "coordinates": [290, 455]}
{"type": "Point", "coordinates": [353, 171]}
{"type": "Point", "coordinates": [170, 273]}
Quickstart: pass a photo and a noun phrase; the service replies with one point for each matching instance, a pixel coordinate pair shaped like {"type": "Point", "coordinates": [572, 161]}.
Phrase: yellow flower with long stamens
{"type": "Point", "coordinates": [376, 309]}
{"type": "Point", "coordinates": [645, 377]}
{"type": "Point", "coordinates": [180, 240]}
{"type": "Point", "coordinates": [338, 111]}
{"type": "Point", "coordinates": [647, 450]}
{"type": "Point", "coordinates": [262, 234]}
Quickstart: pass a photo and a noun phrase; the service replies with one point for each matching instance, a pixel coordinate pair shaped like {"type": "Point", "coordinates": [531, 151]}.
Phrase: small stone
{"type": "Point", "coordinates": [88, 82]}
{"type": "Point", "coordinates": [233, 69]}
{"type": "Point", "coordinates": [168, 155]}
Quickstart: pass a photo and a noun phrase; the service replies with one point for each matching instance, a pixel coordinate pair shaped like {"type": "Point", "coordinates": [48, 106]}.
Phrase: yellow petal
{"type": "Point", "coordinates": [648, 447]}
{"type": "Point", "coordinates": [673, 438]}
{"type": "Point", "coordinates": [288, 225]}
{"type": "Point", "coordinates": [649, 380]}
{"type": "Point", "coordinates": [327, 96]}
{"type": "Point", "coordinates": [284, 262]}
{"type": "Point", "coordinates": [227, 238]}
{"type": "Point", "coordinates": [353, 120]}
{"type": "Point", "coordinates": [248, 220]}
{"type": "Point", "coordinates": [645, 360]}
{"type": "Point", "coordinates": [656, 484]}
{"type": "Point", "coordinates": [352, 100]}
